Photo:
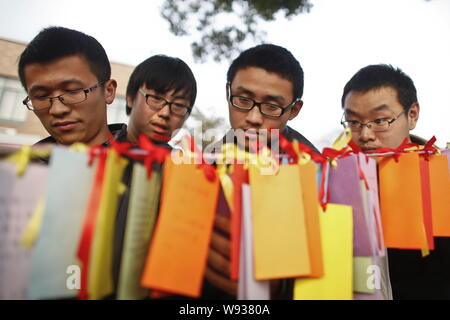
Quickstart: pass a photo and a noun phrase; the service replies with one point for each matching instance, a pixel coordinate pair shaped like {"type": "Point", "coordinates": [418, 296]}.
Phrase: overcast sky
{"type": "Point", "coordinates": [332, 42]}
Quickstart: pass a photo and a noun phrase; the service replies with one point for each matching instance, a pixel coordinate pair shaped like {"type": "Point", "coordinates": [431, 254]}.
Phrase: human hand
{"type": "Point", "coordinates": [218, 264]}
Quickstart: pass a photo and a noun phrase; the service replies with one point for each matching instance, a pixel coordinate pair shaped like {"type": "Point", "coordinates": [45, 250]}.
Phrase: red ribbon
{"type": "Point", "coordinates": [90, 219]}
{"type": "Point", "coordinates": [429, 148]}
{"type": "Point", "coordinates": [154, 153]}
{"type": "Point", "coordinates": [399, 150]}
{"type": "Point", "coordinates": [208, 169]}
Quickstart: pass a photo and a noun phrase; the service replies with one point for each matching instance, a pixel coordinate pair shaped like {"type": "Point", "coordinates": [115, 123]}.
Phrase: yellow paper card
{"type": "Point", "coordinates": [100, 281]}
{"type": "Point", "coordinates": [279, 228]}
{"type": "Point", "coordinates": [360, 274]}
{"type": "Point", "coordinates": [336, 226]}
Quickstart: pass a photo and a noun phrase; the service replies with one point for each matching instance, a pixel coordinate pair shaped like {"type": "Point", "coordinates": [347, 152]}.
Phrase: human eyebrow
{"type": "Point", "coordinates": [382, 107]}
{"type": "Point", "coordinates": [242, 90]}
{"type": "Point", "coordinates": [278, 99]}
{"type": "Point", "coordinates": [350, 112]}
{"type": "Point", "coordinates": [62, 84]}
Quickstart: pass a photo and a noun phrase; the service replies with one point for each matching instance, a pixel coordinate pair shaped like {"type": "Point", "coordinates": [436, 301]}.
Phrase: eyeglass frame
{"type": "Point", "coordinates": [258, 104]}
{"type": "Point", "coordinates": [170, 103]}
{"type": "Point", "coordinates": [86, 91]}
{"type": "Point", "coordinates": [368, 125]}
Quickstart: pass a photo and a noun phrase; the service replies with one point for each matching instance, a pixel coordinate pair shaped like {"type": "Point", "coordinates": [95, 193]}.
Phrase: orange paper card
{"type": "Point", "coordinates": [401, 202]}
{"type": "Point", "coordinates": [177, 257]}
{"type": "Point", "coordinates": [440, 193]}
{"type": "Point", "coordinates": [426, 202]}
{"type": "Point", "coordinates": [279, 229]}
{"type": "Point", "coordinates": [308, 176]}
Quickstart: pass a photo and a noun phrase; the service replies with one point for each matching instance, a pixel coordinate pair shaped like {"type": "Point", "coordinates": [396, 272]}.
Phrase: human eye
{"type": "Point", "coordinates": [380, 121]}
{"type": "Point", "coordinates": [352, 123]}
{"type": "Point", "coordinates": [73, 90]}
{"type": "Point", "coordinates": [180, 105]}
{"type": "Point", "coordinates": [39, 95]}
{"type": "Point", "coordinates": [242, 101]}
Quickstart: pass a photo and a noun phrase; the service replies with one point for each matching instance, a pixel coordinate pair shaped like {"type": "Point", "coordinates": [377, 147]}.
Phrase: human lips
{"type": "Point", "coordinates": [159, 127]}
{"type": "Point", "coordinates": [369, 149]}
{"type": "Point", "coordinates": [65, 125]}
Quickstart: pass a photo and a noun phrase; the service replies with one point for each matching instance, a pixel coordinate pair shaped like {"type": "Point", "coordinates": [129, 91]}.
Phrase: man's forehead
{"type": "Point", "coordinates": [60, 71]}
{"type": "Point", "coordinates": [368, 109]}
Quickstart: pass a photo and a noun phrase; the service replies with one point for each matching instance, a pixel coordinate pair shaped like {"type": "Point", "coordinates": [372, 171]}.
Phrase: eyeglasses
{"type": "Point", "coordinates": [267, 109]}
{"type": "Point", "coordinates": [35, 103]}
{"type": "Point", "coordinates": [377, 125]}
{"type": "Point", "coordinates": [157, 102]}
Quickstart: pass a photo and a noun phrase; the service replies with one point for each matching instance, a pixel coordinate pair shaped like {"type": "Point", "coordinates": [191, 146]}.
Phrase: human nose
{"type": "Point", "coordinates": [254, 116]}
{"type": "Point", "coordinates": [164, 112]}
{"type": "Point", "coordinates": [57, 107]}
{"type": "Point", "coordinates": [366, 134]}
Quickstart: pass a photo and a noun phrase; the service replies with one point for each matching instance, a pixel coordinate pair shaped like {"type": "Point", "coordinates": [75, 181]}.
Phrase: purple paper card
{"type": "Point", "coordinates": [369, 169]}
{"type": "Point", "coordinates": [345, 188]}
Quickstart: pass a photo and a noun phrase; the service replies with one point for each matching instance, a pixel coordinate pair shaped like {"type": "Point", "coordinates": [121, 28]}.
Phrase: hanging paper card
{"type": "Point", "coordinates": [18, 199]}
{"type": "Point", "coordinates": [371, 275]}
{"type": "Point", "coordinates": [100, 278]}
{"type": "Point", "coordinates": [401, 202]}
{"type": "Point", "coordinates": [440, 192]}
{"type": "Point", "coordinates": [337, 246]}
{"type": "Point", "coordinates": [426, 203]}
{"type": "Point", "coordinates": [239, 176]}
{"type": "Point", "coordinates": [177, 257]}
{"type": "Point", "coordinates": [279, 229]}
{"type": "Point", "coordinates": [371, 202]}
{"type": "Point", "coordinates": [248, 287]}
{"type": "Point", "coordinates": [312, 209]}
{"type": "Point", "coordinates": [88, 225]}
{"type": "Point", "coordinates": [143, 206]}
{"type": "Point", "coordinates": [344, 188]}
{"type": "Point", "coordinates": [446, 152]}
{"type": "Point", "coordinates": [360, 275]}
{"type": "Point", "coordinates": [54, 256]}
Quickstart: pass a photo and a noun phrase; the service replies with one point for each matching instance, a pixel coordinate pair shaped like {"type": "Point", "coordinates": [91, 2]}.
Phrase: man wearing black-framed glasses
{"type": "Point", "coordinates": [67, 76]}
{"type": "Point", "coordinates": [161, 93]}
{"type": "Point", "coordinates": [264, 90]}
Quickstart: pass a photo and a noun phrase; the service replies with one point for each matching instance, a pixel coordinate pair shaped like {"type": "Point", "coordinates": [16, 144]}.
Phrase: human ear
{"type": "Point", "coordinates": [296, 109]}
{"type": "Point", "coordinates": [110, 90]}
{"type": "Point", "coordinates": [413, 115]}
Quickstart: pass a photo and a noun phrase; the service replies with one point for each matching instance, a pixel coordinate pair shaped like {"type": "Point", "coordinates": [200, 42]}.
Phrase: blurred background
{"type": "Point", "coordinates": [332, 39]}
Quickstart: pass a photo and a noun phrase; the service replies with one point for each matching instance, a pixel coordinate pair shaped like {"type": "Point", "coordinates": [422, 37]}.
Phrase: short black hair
{"type": "Point", "coordinates": [162, 74]}
{"type": "Point", "coordinates": [58, 42]}
{"type": "Point", "coordinates": [274, 59]}
{"type": "Point", "coordinates": [383, 75]}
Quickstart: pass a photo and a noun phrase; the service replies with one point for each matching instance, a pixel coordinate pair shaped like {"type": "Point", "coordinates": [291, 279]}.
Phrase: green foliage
{"type": "Point", "coordinates": [223, 25]}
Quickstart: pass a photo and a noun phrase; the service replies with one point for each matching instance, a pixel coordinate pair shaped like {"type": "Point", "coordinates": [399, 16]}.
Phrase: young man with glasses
{"type": "Point", "coordinates": [264, 90]}
{"type": "Point", "coordinates": [66, 74]}
{"type": "Point", "coordinates": [381, 107]}
{"type": "Point", "coordinates": [161, 93]}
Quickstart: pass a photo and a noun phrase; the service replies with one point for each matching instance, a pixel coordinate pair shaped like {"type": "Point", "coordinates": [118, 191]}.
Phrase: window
{"type": "Point", "coordinates": [11, 97]}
